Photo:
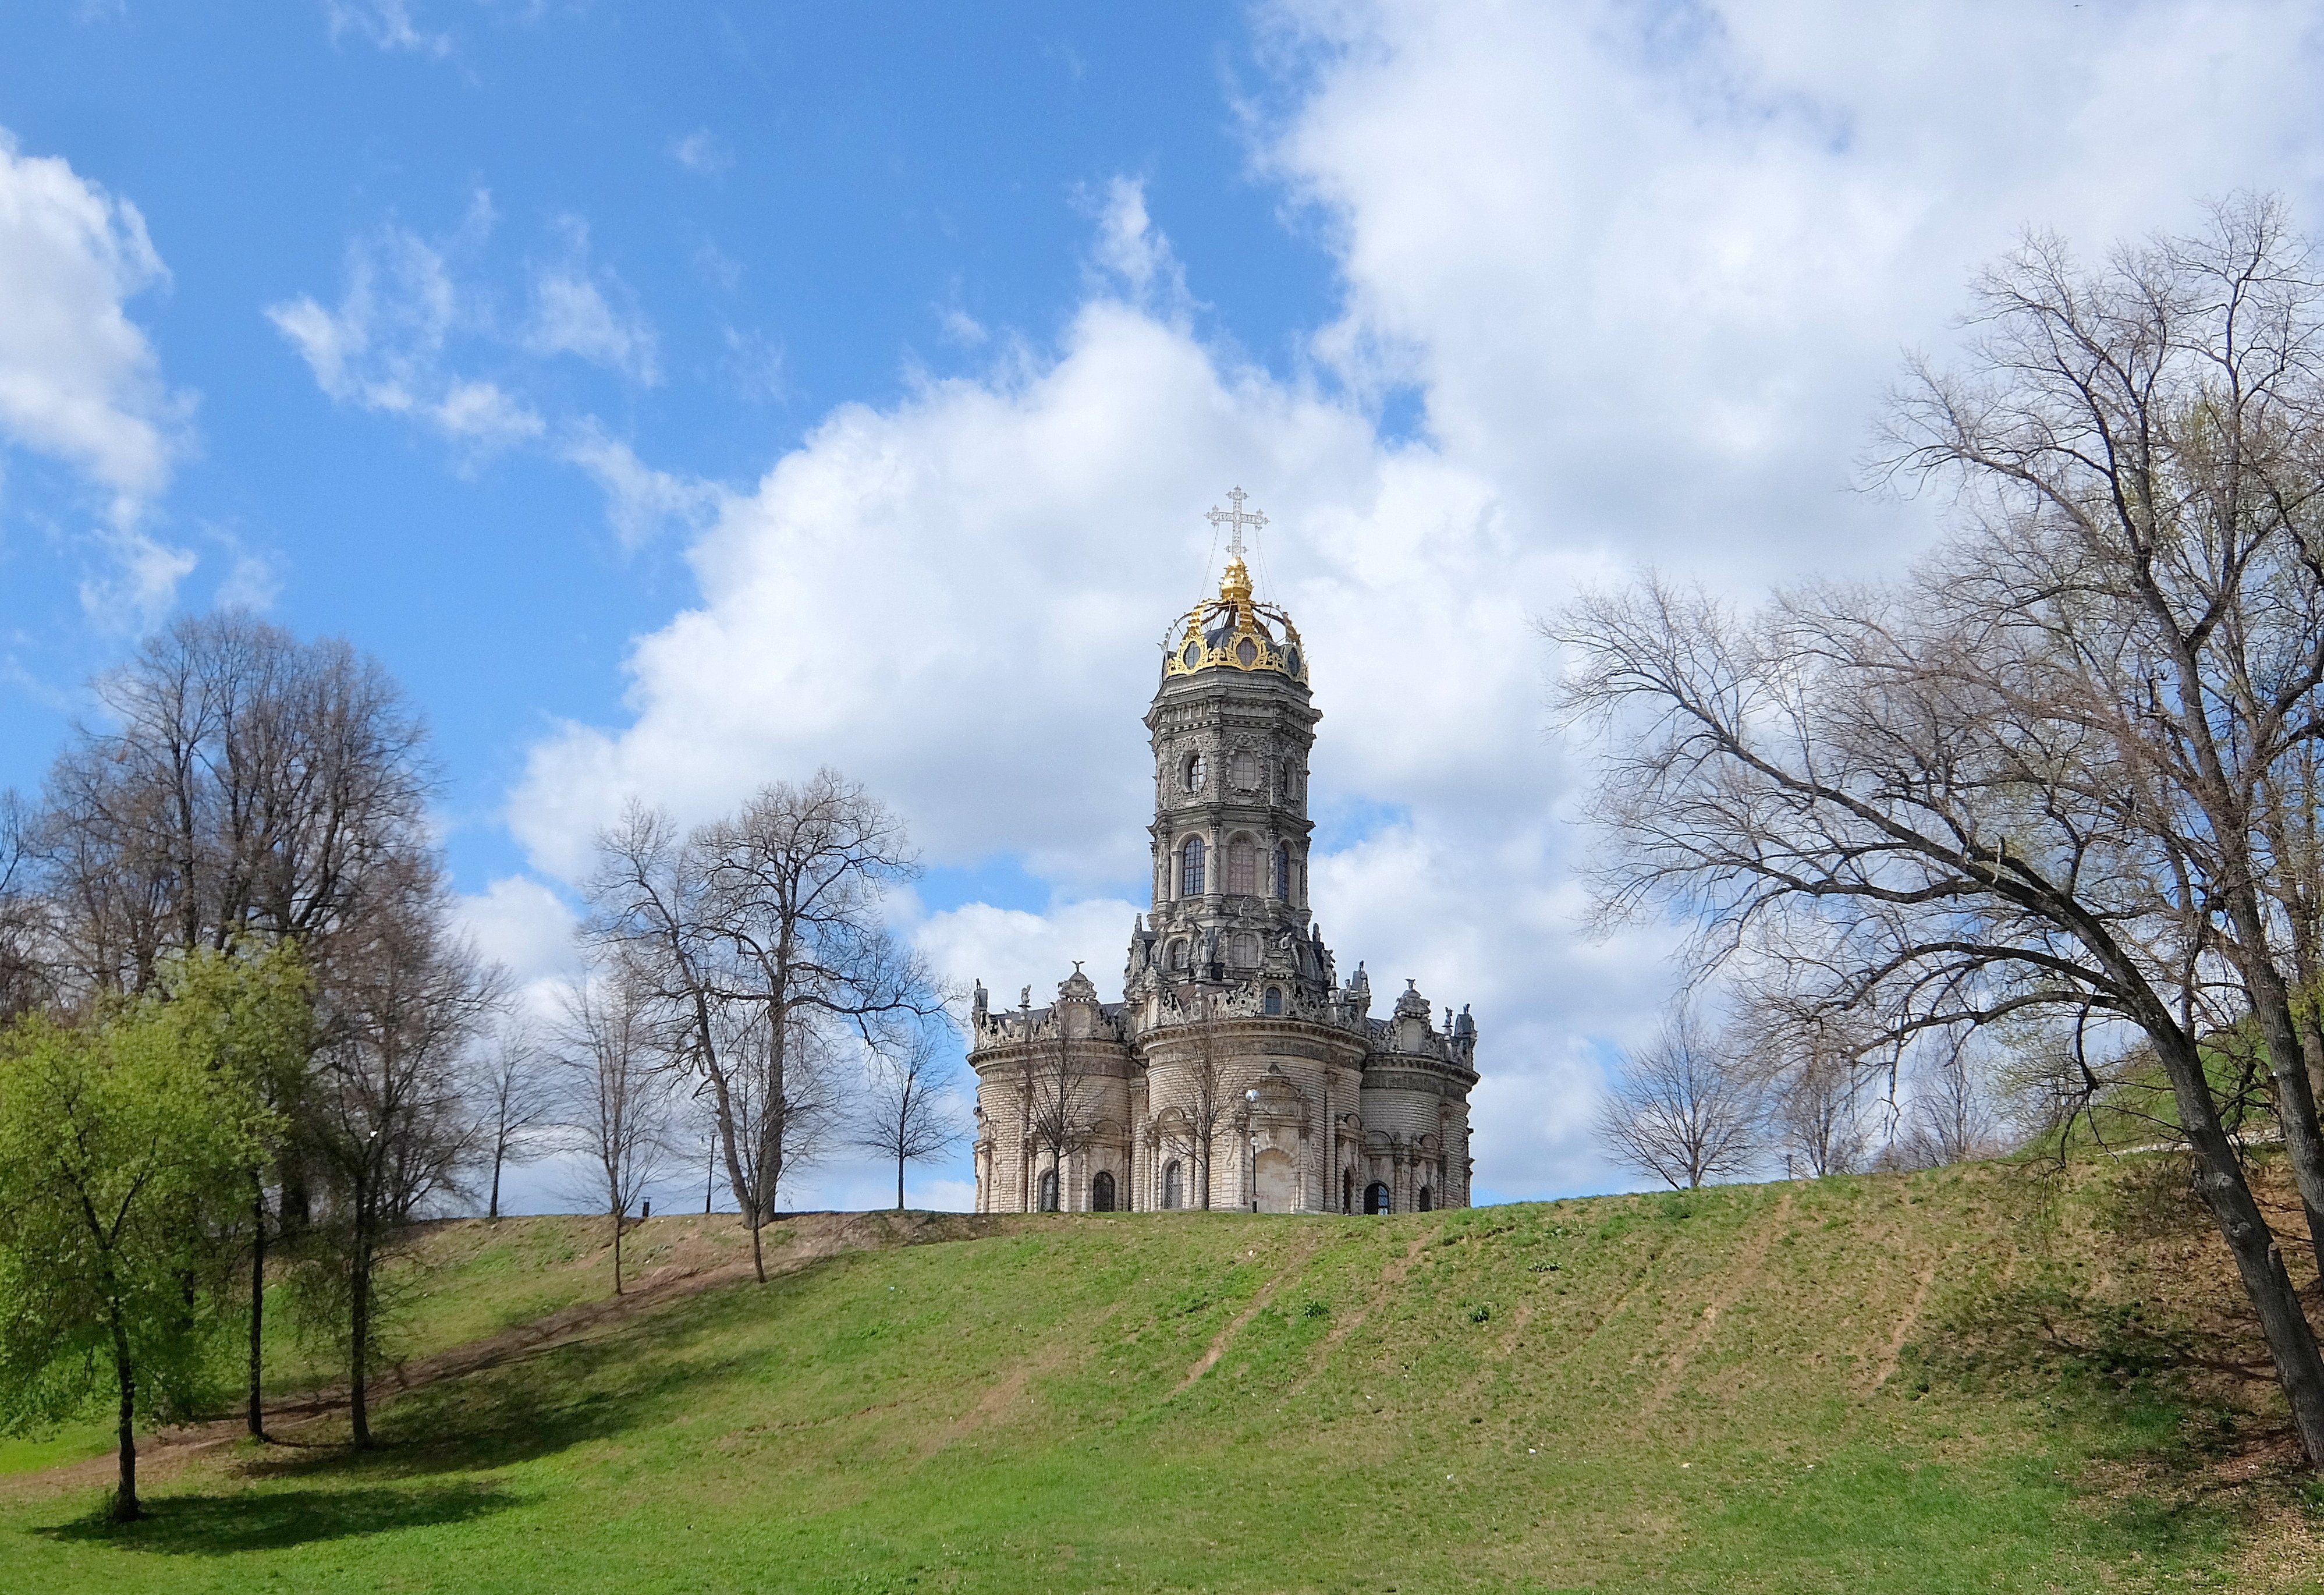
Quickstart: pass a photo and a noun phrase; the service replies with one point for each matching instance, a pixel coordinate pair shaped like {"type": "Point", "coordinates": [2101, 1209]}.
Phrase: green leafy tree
{"type": "Point", "coordinates": [124, 1151]}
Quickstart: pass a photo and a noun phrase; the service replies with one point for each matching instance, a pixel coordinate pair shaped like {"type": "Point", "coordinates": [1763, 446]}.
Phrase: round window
{"type": "Point", "coordinates": [1194, 652]}
{"type": "Point", "coordinates": [1246, 653]}
{"type": "Point", "coordinates": [1194, 773]}
{"type": "Point", "coordinates": [1291, 660]}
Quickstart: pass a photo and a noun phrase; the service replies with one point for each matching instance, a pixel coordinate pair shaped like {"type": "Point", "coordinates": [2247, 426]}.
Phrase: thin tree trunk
{"type": "Point", "coordinates": [758, 1257]}
{"type": "Point", "coordinates": [258, 1309]}
{"type": "Point", "coordinates": [900, 1183]}
{"type": "Point", "coordinates": [617, 1252]}
{"type": "Point", "coordinates": [492, 1212]}
{"type": "Point", "coordinates": [125, 1500]}
{"type": "Point", "coordinates": [358, 1416]}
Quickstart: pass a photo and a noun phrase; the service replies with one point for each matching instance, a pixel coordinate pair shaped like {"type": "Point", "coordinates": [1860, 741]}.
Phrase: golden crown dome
{"type": "Point", "coordinates": [1237, 633]}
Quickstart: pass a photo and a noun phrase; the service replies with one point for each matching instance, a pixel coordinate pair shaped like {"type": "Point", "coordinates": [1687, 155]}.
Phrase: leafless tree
{"type": "Point", "coordinates": [1680, 1109]}
{"type": "Point", "coordinates": [511, 1100]}
{"type": "Point", "coordinates": [27, 938]}
{"type": "Point", "coordinates": [1209, 1099]}
{"type": "Point", "coordinates": [1059, 1112]}
{"type": "Point", "coordinates": [1950, 1117]}
{"type": "Point", "coordinates": [761, 934]}
{"type": "Point", "coordinates": [2064, 767]}
{"type": "Point", "coordinates": [386, 1119]}
{"type": "Point", "coordinates": [617, 1100]}
{"type": "Point", "coordinates": [905, 1112]}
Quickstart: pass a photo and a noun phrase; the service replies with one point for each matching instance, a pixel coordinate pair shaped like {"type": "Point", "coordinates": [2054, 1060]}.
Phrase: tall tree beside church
{"type": "Point", "coordinates": [762, 935]}
{"type": "Point", "coordinates": [2062, 769]}
{"type": "Point", "coordinates": [252, 789]}
{"type": "Point", "coordinates": [1208, 1098]}
{"type": "Point", "coordinates": [1059, 1108]}
{"type": "Point", "coordinates": [904, 1113]}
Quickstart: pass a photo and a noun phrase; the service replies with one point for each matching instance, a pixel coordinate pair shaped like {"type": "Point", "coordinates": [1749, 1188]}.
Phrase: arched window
{"type": "Point", "coordinates": [1245, 949]}
{"type": "Point", "coordinates": [1242, 867]}
{"type": "Point", "coordinates": [1283, 873]}
{"type": "Point", "coordinates": [1427, 1202]}
{"type": "Point", "coordinates": [1048, 1190]}
{"type": "Point", "coordinates": [1242, 770]}
{"type": "Point", "coordinates": [1174, 1186]}
{"type": "Point", "coordinates": [1102, 1192]}
{"type": "Point", "coordinates": [1190, 868]}
{"type": "Point", "coordinates": [1192, 771]}
{"type": "Point", "coordinates": [1377, 1199]}
{"type": "Point", "coordinates": [1178, 954]}
{"type": "Point", "coordinates": [1274, 1002]}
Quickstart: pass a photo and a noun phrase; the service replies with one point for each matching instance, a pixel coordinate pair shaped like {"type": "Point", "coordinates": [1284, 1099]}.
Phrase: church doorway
{"type": "Point", "coordinates": [1427, 1202]}
{"type": "Point", "coordinates": [1102, 1192]}
{"type": "Point", "coordinates": [1377, 1199]}
{"type": "Point", "coordinates": [1278, 1177]}
{"type": "Point", "coordinates": [1174, 1186]}
{"type": "Point", "coordinates": [1048, 1190]}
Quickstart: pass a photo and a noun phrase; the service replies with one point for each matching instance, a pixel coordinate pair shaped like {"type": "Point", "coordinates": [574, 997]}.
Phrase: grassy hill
{"type": "Point", "coordinates": [1973, 1380]}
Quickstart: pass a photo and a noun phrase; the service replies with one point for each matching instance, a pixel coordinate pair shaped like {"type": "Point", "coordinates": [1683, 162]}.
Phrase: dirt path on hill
{"type": "Point", "coordinates": [804, 1240]}
{"type": "Point", "coordinates": [1293, 1267]}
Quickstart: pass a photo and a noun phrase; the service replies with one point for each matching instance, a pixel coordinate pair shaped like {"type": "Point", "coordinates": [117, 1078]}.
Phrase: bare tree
{"type": "Point", "coordinates": [1950, 1117]}
{"type": "Point", "coordinates": [386, 1119]}
{"type": "Point", "coordinates": [1059, 1103]}
{"type": "Point", "coordinates": [27, 939]}
{"type": "Point", "coordinates": [2062, 769]}
{"type": "Point", "coordinates": [1209, 1099]}
{"type": "Point", "coordinates": [618, 1102]}
{"type": "Point", "coordinates": [1680, 1110]}
{"type": "Point", "coordinates": [905, 1112]}
{"type": "Point", "coordinates": [761, 934]}
{"type": "Point", "coordinates": [511, 1100]}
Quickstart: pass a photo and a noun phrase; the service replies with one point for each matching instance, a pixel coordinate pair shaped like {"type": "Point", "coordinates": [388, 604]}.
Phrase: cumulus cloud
{"type": "Point", "coordinates": [79, 382]}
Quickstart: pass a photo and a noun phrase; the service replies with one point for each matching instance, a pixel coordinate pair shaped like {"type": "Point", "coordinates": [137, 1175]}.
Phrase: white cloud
{"type": "Point", "coordinates": [79, 382]}
{"type": "Point", "coordinates": [384, 347]}
{"type": "Point", "coordinates": [387, 23]}
{"type": "Point", "coordinates": [702, 150]}
{"type": "Point", "coordinates": [1131, 248]}
{"type": "Point", "coordinates": [640, 501]}
{"type": "Point", "coordinates": [571, 315]}
{"type": "Point", "coordinates": [142, 584]}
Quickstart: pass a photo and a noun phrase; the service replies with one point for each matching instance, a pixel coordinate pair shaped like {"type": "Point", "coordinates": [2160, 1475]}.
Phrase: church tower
{"type": "Point", "coordinates": [1239, 1071]}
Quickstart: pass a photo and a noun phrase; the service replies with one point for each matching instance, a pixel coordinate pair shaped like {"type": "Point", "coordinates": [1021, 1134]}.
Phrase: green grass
{"type": "Point", "coordinates": [1923, 1383]}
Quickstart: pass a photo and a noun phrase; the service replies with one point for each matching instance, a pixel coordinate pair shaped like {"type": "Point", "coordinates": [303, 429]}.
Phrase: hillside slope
{"type": "Point", "coordinates": [1961, 1380]}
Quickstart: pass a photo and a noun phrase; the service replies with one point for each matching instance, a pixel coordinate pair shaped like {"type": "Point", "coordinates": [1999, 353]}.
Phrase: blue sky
{"type": "Point", "coordinates": [678, 399]}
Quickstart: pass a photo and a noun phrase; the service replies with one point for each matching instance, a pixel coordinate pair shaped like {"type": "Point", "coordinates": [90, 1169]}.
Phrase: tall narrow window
{"type": "Point", "coordinates": [1242, 867]}
{"type": "Point", "coordinates": [1283, 873]}
{"type": "Point", "coordinates": [1102, 1192]}
{"type": "Point", "coordinates": [1190, 868]}
{"type": "Point", "coordinates": [1174, 1186]}
{"type": "Point", "coordinates": [1242, 770]}
{"type": "Point", "coordinates": [1048, 1190]}
{"type": "Point", "coordinates": [1274, 1002]}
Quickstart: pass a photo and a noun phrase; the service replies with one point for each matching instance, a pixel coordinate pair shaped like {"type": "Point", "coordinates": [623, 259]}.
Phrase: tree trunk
{"type": "Point", "coordinates": [617, 1252]}
{"type": "Point", "coordinates": [758, 1257]}
{"type": "Point", "coordinates": [492, 1212]}
{"type": "Point", "coordinates": [900, 1181]}
{"type": "Point", "coordinates": [358, 1415]}
{"type": "Point", "coordinates": [257, 1310]}
{"type": "Point", "coordinates": [2291, 1340]}
{"type": "Point", "coordinates": [124, 1499]}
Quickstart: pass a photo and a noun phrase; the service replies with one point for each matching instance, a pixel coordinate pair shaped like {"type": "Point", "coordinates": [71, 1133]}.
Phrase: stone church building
{"type": "Point", "coordinates": [1238, 1071]}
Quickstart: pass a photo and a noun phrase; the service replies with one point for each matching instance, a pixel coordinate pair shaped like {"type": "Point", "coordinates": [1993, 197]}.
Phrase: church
{"type": "Point", "coordinates": [1238, 1071]}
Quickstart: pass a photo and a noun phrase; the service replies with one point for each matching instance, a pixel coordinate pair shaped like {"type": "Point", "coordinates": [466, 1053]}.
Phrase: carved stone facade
{"type": "Point", "coordinates": [1238, 1071]}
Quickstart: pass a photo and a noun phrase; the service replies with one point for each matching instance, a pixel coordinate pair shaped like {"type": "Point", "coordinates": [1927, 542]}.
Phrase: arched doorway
{"type": "Point", "coordinates": [1102, 1192]}
{"type": "Point", "coordinates": [1428, 1202]}
{"type": "Point", "coordinates": [1377, 1199]}
{"type": "Point", "coordinates": [1048, 1190]}
{"type": "Point", "coordinates": [1174, 1186]}
{"type": "Point", "coordinates": [1276, 1174]}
